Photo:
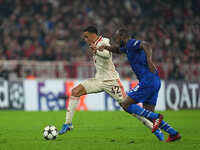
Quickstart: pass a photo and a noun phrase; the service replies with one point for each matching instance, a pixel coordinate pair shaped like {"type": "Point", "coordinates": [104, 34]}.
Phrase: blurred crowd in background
{"type": "Point", "coordinates": [50, 30]}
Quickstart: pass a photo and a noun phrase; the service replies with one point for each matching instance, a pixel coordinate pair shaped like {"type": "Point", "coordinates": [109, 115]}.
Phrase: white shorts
{"type": "Point", "coordinates": [113, 87]}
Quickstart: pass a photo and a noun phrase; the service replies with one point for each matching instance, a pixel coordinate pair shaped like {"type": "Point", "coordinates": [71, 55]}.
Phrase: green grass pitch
{"type": "Point", "coordinates": [95, 131]}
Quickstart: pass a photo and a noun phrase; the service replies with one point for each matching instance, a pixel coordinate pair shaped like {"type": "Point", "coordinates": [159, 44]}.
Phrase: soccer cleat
{"type": "Point", "coordinates": [65, 128]}
{"type": "Point", "coordinates": [157, 122]}
{"type": "Point", "coordinates": [173, 138]}
{"type": "Point", "coordinates": [159, 135]}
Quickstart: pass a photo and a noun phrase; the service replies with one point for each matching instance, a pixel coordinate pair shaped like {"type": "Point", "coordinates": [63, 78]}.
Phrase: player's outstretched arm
{"type": "Point", "coordinates": [148, 50]}
{"type": "Point", "coordinates": [104, 54]}
{"type": "Point", "coordinates": [113, 49]}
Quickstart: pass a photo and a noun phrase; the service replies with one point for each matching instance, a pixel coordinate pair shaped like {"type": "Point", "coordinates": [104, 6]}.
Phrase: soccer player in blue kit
{"type": "Point", "coordinates": [139, 55]}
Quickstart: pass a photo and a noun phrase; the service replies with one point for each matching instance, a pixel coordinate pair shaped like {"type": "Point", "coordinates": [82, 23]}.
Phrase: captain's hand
{"type": "Point", "coordinates": [93, 47]}
{"type": "Point", "coordinates": [101, 48]}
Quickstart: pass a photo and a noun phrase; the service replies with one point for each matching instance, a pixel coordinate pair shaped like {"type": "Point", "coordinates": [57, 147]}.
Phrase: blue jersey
{"type": "Point", "coordinates": [149, 83]}
{"type": "Point", "coordinates": [137, 58]}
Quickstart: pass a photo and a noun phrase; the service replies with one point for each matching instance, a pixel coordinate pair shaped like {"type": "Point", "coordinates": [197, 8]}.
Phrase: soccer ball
{"type": "Point", "coordinates": [50, 132]}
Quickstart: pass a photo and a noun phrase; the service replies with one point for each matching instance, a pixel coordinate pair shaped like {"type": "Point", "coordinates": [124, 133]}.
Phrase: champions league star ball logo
{"type": "Point", "coordinates": [50, 132]}
{"type": "Point", "coordinates": [16, 95]}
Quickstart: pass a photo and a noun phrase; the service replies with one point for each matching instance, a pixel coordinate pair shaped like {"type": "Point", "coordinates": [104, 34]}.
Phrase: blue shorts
{"type": "Point", "coordinates": [147, 90]}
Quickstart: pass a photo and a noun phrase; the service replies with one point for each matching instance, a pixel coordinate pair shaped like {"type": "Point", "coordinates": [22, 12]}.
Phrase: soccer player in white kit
{"type": "Point", "coordinates": [106, 78]}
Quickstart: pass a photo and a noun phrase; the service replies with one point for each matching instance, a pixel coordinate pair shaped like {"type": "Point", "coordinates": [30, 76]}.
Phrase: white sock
{"type": "Point", "coordinates": [73, 102]}
{"type": "Point", "coordinates": [145, 121]}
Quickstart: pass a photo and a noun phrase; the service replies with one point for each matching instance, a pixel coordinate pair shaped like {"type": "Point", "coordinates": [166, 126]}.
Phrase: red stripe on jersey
{"type": "Point", "coordinates": [122, 88]}
{"type": "Point", "coordinates": [98, 40]}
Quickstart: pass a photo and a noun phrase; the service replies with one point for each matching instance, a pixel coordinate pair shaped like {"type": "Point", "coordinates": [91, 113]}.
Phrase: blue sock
{"type": "Point", "coordinates": [157, 131]}
{"type": "Point", "coordinates": [159, 135]}
{"type": "Point", "coordinates": [167, 128]}
{"type": "Point", "coordinates": [135, 109]}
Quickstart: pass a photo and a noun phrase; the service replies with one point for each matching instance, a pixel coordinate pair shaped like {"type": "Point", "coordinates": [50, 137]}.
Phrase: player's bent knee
{"type": "Point", "coordinates": [124, 106]}
{"type": "Point", "coordinates": [78, 91]}
{"type": "Point", "coordinates": [126, 103]}
{"type": "Point", "coordinates": [74, 92]}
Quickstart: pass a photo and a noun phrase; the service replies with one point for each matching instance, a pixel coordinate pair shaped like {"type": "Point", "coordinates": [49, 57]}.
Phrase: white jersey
{"type": "Point", "coordinates": [103, 62]}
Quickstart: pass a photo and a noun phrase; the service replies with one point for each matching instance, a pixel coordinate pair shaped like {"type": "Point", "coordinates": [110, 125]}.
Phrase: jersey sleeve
{"type": "Point", "coordinates": [135, 44]}
{"type": "Point", "coordinates": [105, 53]}
{"type": "Point", "coordinates": [131, 45]}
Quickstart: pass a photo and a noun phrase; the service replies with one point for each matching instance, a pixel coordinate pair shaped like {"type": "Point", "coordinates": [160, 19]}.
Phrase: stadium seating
{"type": "Point", "coordinates": [50, 30]}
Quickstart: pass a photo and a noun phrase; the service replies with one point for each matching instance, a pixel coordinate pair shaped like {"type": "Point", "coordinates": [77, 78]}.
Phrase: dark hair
{"type": "Point", "coordinates": [91, 29]}
{"type": "Point", "coordinates": [123, 32]}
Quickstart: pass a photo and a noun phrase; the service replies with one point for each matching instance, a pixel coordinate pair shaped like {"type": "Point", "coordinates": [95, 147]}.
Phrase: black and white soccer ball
{"type": "Point", "coordinates": [50, 132]}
